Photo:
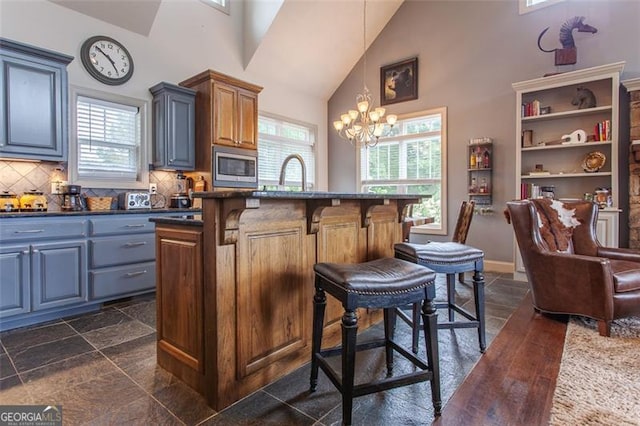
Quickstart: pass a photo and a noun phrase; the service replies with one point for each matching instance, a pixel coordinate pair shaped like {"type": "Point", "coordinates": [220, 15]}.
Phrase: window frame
{"type": "Point", "coordinates": [524, 7]}
{"type": "Point", "coordinates": [313, 129]}
{"type": "Point", "coordinates": [142, 180]}
{"type": "Point", "coordinates": [428, 229]}
{"type": "Point", "coordinates": [225, 8]}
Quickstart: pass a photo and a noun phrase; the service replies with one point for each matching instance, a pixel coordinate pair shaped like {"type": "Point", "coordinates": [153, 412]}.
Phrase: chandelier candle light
{"type": "Point", "coordinates": [364, 125]}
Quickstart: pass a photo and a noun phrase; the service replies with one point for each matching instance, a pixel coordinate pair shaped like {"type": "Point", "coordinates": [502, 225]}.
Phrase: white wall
{"type": "Point", "coordinates": [186, 38]}
{"type": "Point", "coordinates": [470, 52]}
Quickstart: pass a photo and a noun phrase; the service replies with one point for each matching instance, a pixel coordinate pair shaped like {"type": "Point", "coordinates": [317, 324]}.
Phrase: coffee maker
{"type": "Point", "coordinates": [71, 198]}
{"type": "Point", "coordinates": [181, 198]}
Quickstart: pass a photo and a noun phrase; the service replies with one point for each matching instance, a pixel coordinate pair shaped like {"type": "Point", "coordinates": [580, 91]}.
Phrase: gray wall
{"type": "Point", "coordinates": [470, 52]}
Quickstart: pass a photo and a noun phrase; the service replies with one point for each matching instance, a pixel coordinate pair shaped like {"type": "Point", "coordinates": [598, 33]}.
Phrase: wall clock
{"type": "Point", "coordinates": [107, 60]}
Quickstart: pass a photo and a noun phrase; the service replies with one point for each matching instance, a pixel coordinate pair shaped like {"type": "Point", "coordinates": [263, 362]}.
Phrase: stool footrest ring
{"type": "Point", "coordinates": [458, 324]}
{"type": "Point", "coordinates": [468, 315]}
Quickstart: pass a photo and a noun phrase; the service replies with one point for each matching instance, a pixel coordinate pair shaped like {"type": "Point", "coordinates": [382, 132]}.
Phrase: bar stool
{"type": "Point", "coordinates": [383, 283]}
{"type": "Point", "coordinates": [450, 258]}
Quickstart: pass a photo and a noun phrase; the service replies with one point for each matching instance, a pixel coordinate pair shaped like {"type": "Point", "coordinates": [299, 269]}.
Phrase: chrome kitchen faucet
{"type": "Point", "coordinates": [284, 168]}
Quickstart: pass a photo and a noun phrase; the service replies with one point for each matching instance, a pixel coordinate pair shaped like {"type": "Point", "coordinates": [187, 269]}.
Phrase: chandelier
{"type": "Point", "coordinates": [365, 124]}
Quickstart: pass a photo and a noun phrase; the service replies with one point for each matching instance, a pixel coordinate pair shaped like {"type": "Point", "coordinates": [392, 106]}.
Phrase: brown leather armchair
{"type": "Point", "coordinates": [585, 278]}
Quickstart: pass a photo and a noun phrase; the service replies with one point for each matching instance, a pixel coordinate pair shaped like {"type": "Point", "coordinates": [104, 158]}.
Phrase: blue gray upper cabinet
{"type": "Point", "coordinates": [173, 127]}
{"type": "Point", "coordinates": [33, 107]}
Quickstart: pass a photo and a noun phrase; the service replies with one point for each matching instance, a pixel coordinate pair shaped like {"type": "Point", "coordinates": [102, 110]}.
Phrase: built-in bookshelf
{"type": "Point", "coordinates": [566, 149]}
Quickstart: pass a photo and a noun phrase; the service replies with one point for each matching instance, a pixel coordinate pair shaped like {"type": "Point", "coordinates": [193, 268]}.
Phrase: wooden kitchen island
{"type": "Point", "coordinates": [235, 287]}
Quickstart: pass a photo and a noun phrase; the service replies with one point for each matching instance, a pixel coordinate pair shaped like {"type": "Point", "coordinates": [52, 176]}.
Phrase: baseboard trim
{"type": "Point", "coordinates": [500, 267]}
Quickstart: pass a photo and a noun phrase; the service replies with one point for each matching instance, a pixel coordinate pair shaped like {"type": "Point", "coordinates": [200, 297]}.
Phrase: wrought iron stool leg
{"type": "Point", "coordinates": [319, 305]}
{"type": "Point", "coordinates": [349, 331]}
{"type": "Point", "coordinates": [478, 295]}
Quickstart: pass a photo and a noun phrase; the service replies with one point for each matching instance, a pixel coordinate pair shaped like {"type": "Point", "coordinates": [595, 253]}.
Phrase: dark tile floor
{"type": "Point", "coordinates": [101, 368]}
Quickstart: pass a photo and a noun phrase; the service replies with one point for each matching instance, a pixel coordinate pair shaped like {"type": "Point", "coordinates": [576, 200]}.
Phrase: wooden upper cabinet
{"type": "Point", "coordinates": [226, 113]}
{"type": "Point", "coordinates": [235, 116]}
{"type": "Point", "coordinates": [247, 119]}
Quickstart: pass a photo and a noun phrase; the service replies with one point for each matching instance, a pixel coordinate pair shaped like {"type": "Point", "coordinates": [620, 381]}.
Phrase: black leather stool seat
{"type": "Point", "coordinates": [385, 283]}
{"type": "Point", "coordinates": [445, 253]}
{"type": "Point", "coordinates": [450, 258]}
{"type": "Point", "coordinates": [386, 276]}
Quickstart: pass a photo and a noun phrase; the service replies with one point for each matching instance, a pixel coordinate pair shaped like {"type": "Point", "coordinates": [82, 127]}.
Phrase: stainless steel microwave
{"type": "Point", "coordinates": [234, 167]}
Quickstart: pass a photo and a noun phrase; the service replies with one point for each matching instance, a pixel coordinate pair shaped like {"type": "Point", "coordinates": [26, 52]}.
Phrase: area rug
{"type": "Point", "coordinates": [599, 378]}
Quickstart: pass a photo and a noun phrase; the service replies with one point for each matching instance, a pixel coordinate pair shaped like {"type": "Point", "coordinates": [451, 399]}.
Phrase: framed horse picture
{"type": "Point", "coordinates": [399, 82]}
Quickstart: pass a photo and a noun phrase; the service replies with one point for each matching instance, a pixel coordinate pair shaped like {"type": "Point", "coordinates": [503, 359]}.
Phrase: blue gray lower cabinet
{"type": "Point", "coordinates": [59, 266]}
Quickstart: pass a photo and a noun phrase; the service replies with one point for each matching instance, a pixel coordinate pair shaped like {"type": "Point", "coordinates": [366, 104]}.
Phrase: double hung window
{"type": "Point", "coordinates": [411, 159]}
{"type": "Point", "coordinates": [278, 138]}
{"type": "Point", "coordinates": [107, 141]}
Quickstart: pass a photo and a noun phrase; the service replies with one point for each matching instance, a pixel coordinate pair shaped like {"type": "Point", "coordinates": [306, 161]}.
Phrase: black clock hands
{"type": "Point", "coordinates": [109, 58]}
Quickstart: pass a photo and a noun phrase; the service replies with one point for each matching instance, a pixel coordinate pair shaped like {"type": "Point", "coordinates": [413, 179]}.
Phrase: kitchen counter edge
{"type": "Point", "coordinates": [306, 195]}
{"type": "Point", "coordinates": [7, 215]}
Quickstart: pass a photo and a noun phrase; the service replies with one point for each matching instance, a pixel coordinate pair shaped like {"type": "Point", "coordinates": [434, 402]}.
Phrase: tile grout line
{"type": "Point", "coordinates": [291, 406]}
{"type": "Point", "coordinates": [150, 395]}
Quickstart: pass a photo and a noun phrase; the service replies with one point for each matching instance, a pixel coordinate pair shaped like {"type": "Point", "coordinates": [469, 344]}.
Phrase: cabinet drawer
{"type": "Point", "coordinates": [24, 229]}
{"type": "Point", "coordinates": [121, 225]}
{"type": "Point", "coordinates": [122, 280]}
{"type": "Point", "coordinates": [123, 250]}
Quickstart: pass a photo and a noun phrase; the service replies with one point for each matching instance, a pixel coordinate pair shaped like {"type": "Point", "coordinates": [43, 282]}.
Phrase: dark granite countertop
{"type": "Point", "coordinates": [184, 219]}
{"type": "Point", "coordinates": [196, 219]}
{"type": "Point", "coordinates": [5, 215]}
{"type": "Point", "coordinates": [305, 195]}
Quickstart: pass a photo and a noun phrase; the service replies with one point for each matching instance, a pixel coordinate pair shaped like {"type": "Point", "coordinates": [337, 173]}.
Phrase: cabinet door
{"type": "Point", "coordinates": [14, 287]}
{"type": "Point", "coordinates": [33, 116]}
{"type": "Point", "coordinates": [179, 295]}
{"type": "Point", "coordinates": [58, 274]}
{"type": "Point", "coordinates": [181, 132]}
{"type": "Point", "coordinates": [224, 114]}
{"type": "Point", "coordinates": [173, 130]}
{"type": "Point", "coordinates": [607, 228]}
{"type": "Point", "coordinates": [247, 119]}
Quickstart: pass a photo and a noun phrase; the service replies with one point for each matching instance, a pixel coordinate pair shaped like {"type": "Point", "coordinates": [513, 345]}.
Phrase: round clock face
{"type": "Point", "coordinates": [107, 60]}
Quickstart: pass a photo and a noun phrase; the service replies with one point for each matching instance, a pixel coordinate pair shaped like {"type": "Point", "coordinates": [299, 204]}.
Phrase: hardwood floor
{"type": "Point", "coordinates": [513, 382]}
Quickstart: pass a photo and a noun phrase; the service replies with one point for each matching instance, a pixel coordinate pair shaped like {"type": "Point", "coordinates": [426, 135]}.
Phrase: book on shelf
{"type": "Point", "coordinates": [539, 173]}
{"type": "Point", "coordinates": [529, 190]}
{"type": "Point", "coordinates": [602, 131]}
{"type": "Point", "coordinates": [531, 109]}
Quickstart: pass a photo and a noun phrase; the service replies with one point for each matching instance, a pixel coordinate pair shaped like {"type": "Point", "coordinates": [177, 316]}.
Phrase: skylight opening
{"type": "Point", "coordinates": [527, 6]}
{"type": "Point", "coordinates": [221, 5]}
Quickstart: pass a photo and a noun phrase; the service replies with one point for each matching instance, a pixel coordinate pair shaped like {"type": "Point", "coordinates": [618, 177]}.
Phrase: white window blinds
{"type": "Point", "coordinates": [108, 139]}
{"type": "Point", "coordinates": [279, 138]}
{"type": "Point", "coordinates": [411, 159]}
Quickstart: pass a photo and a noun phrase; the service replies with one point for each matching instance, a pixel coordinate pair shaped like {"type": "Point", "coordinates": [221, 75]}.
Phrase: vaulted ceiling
{"type": "Point", "coordinates": [315, 43]}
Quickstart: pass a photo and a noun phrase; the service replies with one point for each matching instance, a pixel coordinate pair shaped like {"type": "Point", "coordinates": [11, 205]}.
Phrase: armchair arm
{"type": "Point", "coordinates": [570, 283]}
{"type": "Point", "coordinates": [630, 255]}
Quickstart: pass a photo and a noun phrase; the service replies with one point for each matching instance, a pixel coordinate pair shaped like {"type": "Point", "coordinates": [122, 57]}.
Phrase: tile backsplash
{"type": "Point", "coordinates": [20, 176]}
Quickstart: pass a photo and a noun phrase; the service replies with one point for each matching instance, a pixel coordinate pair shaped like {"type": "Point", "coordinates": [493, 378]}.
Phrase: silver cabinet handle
{"type": "Point", "coordinates": [135, 274]}
{"type": "Point", "coordinates": [35, 251]}
{"type": "Point", "coordinates": [26, 252]}
{"type": "Point", "coordinates": [139, 225]}
{"type": "Point", "coordinates": [29, 231]}
{"type": "Point", "coordinates": [140, 243]}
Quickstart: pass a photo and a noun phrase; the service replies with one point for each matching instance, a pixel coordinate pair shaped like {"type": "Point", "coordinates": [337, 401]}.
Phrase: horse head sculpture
{"type": "Point", "coordinates": [568, 54]}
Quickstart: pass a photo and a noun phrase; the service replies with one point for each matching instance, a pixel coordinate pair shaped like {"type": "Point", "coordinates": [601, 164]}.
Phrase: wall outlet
{"type": "Point", "coordinates": [56, 187]}
{"type": "Point", "coordinates": [153, 188]}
